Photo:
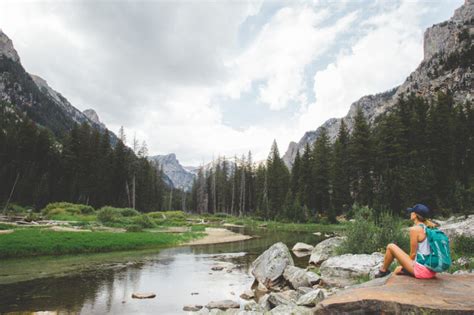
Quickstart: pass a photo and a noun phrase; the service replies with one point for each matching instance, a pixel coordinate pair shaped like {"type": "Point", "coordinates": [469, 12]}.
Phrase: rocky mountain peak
{"type": "Point", "coordinates": [447, 65]}
{"type": "Point", "coordinates": [179, 176]}
{"type": "Point", "coordinates": [92, 115]}
{"type": "Point", "coordinates": [6, 47]}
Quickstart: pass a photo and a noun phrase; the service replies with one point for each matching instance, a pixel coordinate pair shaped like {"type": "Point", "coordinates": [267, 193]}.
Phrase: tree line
{"type": "Point", "coordinates": [419, 151]}
{"type": "Point", "coordinates": [82, 167]}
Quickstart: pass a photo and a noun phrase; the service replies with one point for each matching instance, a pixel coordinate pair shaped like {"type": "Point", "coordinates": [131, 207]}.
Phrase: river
{"type": "Point", "coordinates": [104, 283]}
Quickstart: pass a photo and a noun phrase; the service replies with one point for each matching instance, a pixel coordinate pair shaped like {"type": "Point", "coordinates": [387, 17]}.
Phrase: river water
{"type": "Point", "coordinates": [104, 283]}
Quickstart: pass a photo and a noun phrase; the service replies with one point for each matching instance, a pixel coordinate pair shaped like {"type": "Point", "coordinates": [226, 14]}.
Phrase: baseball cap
{"type": "Point", "coordinates": [419, 209]}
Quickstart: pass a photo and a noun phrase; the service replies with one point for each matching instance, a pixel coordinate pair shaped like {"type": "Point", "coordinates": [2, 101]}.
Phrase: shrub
{"type": "Point", "coordinates": [143, 221]}
{"type": "Point", "coordinates": [14, 208]}
{"type": "Point", "coordinates": [463, 245]}
{"type": "Point", "coordinates": [367, 235]}
{"type": "Point", "coordinates": [128, 212]}
{"type": "Point", "coordinates": [174, 214]}
{"type": "Point", "coordinates": [66, 207]}
{"type": "Point", "coordinates": [156, 215]}
{"type": "Point", "coordinates": [108, 214]}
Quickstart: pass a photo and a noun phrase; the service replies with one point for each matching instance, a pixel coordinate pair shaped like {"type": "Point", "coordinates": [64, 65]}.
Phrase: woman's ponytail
{"type": "Point", "coordinates": [426, 222]}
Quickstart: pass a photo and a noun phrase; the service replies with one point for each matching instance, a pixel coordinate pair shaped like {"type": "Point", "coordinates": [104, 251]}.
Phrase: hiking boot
{"type": "Point", "coordinates": [382, 274]}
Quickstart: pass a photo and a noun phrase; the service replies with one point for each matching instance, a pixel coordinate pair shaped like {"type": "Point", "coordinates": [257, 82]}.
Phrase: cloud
{"type": "Point", "coordinates": [278, 56]}
{"type": "Point", "coordinates": [389, 49]}
{"type": "Point", "coordinates": [164, 70]}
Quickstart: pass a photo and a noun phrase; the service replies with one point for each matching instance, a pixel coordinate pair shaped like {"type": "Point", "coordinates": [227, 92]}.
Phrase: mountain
{"type": "Point", "coordinates": [179, 176]}
{"type": "Point", "coordinates": [447, 65]}
{"type": "Point", "coordinates": [33, 96]}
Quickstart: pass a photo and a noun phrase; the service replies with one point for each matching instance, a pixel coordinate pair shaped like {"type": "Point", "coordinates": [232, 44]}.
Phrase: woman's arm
{"type": "Point", "coordinates": [413, 242]}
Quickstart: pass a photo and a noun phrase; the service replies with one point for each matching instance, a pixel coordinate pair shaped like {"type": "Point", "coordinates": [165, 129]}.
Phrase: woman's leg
{"type": "Point", "coordinates": [395, 252]}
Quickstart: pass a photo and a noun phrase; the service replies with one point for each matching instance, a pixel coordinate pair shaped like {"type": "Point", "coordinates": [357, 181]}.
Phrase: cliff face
{"type": "Point", "coordinates": [178, 175]}
{"type": "Point", "coordinates": [33, 96]}
{"type": "Point", "coordinates": [447, 65]}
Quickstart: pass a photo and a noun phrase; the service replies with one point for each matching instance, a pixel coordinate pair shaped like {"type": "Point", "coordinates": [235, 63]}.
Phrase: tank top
{"type": "Point", "coordinates": [424, 246]}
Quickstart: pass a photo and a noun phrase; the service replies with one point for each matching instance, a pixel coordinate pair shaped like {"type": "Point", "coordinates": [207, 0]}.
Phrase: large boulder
{"type": "Point", "coordinates": [268, 268]}
{"type": "Point", "coordinates": [285, 297]}
{"type": "Point", "coordinates": [311, 298]}
{"type": "Point", "coordinates": [325, 249]}
{"type": "Point", "coordinates": [346, 269]}
{"type": "Point", "coordinates": [223, 305]}
{"type": "Point", "coordinates": [299, 277]}
{"type": "Point", "coordinates": [302, 247]}
{"type": "Point", "coordinates": [445, 294]}
{"type": "Point", "coordinates": [291, 309]}
{"type": "Point", "coordinates": [459, 226]}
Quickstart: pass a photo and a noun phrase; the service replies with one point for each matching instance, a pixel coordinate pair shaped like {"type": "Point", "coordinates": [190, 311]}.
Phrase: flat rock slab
{"type": "Point", "coordinates": [6, 231]}
{"type": "Point", "coordinates": [144, 295]}
{"type": "Point", "coordinates": [445, 294]}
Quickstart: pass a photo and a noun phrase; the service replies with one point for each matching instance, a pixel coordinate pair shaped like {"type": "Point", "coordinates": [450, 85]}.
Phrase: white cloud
{"type": "Point", "coordinates": [285, 46]}
{"type": "Point", "coordinates": [381, 59]}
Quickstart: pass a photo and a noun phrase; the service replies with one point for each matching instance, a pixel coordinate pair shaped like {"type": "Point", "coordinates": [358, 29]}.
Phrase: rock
{"type": "Point", "coordinates": [264, 303]}
{"type": "Point", "coordinates": [302, 247]}
{"type": "Point", "coordinates": [299, 277]}
{"type": "Point", "coordinates": [143, 295]}
{"type": "Point", "coordinates": [445, 294]}
{"type": "Point", "coordinates": [223, 304]}
{"type": "Point", "coordinates": [318, 233]}
{"type": "Point", "coordinates": [268, 268]}
{"type": "Point", "coordinates": [459, 226]}
{"type": "Point", "coordinates": [311, 298]}
{"type": "Point", "coordinates": [253, 306]}
{"type": "Point", "coordinates": [259, 289]}
{"type": "Point", "coordinates": [279, 298]}
{"type": "Point", "coordinates": [463, 261]}
{"type": "Point", "coordinates": [463, 272]}
{"type": "Point", "coordinates": [217, 268]}
{"type": "Point", "coordinates": [192, 308]}
{"type": "Point", "coordinates": [291, 309]}
{"type": "Point", "coordinates": [304, 290]}
{"type": "Point", "coordinates": [325, 249]}
{"type": "Point", "coordinates": [247, 295]}
{"type": "Point", "coordinates": [346, 269]}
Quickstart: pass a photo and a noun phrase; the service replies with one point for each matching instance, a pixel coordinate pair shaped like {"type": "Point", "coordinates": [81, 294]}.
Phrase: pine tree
{"type": "Point", "coordinates": [340, 174]}
{"type": "Point", "coordinates": [361, 160]}
{"type": "Point", "coordinates": [321, 170]}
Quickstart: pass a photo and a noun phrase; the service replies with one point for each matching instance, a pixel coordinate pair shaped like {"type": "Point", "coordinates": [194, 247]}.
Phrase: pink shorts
{"type": "Point", "coordinates": [422, 272]}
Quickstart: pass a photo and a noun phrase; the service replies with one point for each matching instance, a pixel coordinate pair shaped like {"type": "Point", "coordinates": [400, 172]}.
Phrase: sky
{"type": "Point", "coordinates": [204, 79]}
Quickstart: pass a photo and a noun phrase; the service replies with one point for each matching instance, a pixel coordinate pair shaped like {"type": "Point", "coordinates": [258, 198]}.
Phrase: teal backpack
{"type": "Point", "coordinates": [439, 259]}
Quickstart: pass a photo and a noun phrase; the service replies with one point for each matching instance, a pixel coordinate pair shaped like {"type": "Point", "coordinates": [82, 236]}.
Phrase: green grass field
{"type": "Point", "coordinates": [35, 242]}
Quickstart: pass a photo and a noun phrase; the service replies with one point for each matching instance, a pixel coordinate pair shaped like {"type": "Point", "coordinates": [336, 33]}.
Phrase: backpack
{"type": "Point", "coordinates": [439, 258]}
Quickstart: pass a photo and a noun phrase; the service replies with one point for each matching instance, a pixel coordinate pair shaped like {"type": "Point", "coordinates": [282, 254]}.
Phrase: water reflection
{"type": "Point", "coordinates": [99, 284]}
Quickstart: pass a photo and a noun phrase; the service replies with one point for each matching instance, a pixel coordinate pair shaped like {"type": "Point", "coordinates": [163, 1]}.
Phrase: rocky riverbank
{"type": "Point", "coordinates": [332, 283]}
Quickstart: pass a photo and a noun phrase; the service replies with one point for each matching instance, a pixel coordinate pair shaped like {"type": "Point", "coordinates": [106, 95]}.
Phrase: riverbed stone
{"type": "Point", "coordinates": [346, 269]}
{"type": "Point", "coordinates": [325, 249]}
{"type": "Point", "coordinates": [299, 277]}
{"type": "Point", "coordinates": [247, 295]}
{"type": "Point", "coordinates": [192, 308]}
{"type": "Point", "coordinates": [223, 304]}
{"type": "Point", "coordinates": [253, 306]}
{"type": "Point", "coordinates": [460, 226]}
{"type": "Point", "coordinates": [311, 298]}
{"type": "Point", "coordinates": [143, 295]}
{"type": "Point", "coordinates": [264, 303]}
{"type": "Point", "coordinates": [285, 297]}
{"type": "Point", "coordinates": [304, 290]}
{"type": "Point", "coordinates": [444, 294]}
{"type": "Point", "coordinates": [268, 268]}
{"type": "Point", "coordinates": [292, 309]}
{"type": "Point", "coordinates": [302, 247]}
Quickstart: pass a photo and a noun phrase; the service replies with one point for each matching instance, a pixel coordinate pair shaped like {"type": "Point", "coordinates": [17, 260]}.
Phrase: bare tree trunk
{"type": "Point", "coordinates": [128, 193]}
{"type": "Point", "coordinates": [12, 191]}
{"type": "Point", "coordinates": [171, 199]}
{"type": "Point", "coordinates": [242, 194]}
{"type": "Point", "coordinates": [133, 191]}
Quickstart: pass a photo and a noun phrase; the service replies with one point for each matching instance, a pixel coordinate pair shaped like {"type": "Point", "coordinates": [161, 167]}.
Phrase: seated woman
{"type": "Point", "coordinates": [418, 246]}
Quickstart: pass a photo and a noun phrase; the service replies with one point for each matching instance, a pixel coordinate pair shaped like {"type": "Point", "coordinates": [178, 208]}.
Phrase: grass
{"type": "Point", "coordinates": [36, 242]}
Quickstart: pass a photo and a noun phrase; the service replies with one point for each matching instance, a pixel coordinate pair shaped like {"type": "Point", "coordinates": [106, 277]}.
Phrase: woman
{"type": "Point", "coordinates": [419, 247]}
